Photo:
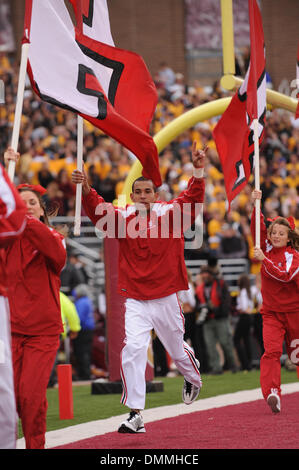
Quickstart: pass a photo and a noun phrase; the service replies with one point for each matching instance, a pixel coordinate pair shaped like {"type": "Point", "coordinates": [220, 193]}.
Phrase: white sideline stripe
{"type": "Point", "coordinates": [102, 426]}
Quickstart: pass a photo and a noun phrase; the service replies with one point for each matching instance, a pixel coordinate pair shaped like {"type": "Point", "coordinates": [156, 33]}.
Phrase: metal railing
{"type": "Point", "coordinates": [88, 246]}
{"type": "Point", "coordinates": [229, 269]}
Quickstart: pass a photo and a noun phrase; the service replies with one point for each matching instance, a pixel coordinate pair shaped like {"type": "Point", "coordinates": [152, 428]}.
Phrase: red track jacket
{"type": "Point", "coordinates": [150, 266]}
{"type": "Point", "coordinates": [33, 265]}
{"type": "Point", "coordinates": [279, 275]}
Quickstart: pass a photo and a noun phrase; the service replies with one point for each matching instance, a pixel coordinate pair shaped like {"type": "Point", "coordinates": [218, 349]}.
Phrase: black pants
{"type": "Point", "coordinates": [160, 358]}
{"type": "Point", "coordinates": [195, 334]}
{"type": "Point", "coordinates": [258, 331]}
{"type": "Point", "coordinates": [242, 338]}
{"type": "Point", "coordinates": [82, 345]}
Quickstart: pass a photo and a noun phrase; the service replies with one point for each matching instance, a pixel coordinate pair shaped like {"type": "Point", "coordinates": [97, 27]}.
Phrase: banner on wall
{"type": "Point", "coordinates": [7, 43]}
{"type": "Point", "coordinates": [203, 24]}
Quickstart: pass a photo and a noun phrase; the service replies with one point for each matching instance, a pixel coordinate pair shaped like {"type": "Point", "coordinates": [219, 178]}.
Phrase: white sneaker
{"type": "Point", "coordinates": [273, 401]}
{"type": "Point", "coordinates": [133, 424]}
{"type": "Point", "coordinates": [190, 392]}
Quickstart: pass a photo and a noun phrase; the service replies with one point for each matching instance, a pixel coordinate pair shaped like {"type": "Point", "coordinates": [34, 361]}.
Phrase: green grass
{"type": "Point", "coordinates": [88, 407]}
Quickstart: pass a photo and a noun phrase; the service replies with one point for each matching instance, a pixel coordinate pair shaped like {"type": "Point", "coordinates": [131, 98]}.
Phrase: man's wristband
{"type": "Point", "coordinates": [198, 172]}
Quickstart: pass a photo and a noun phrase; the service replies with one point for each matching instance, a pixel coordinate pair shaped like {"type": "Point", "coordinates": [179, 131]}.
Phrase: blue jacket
{"type": "Point", "coordinates": [84, 308]}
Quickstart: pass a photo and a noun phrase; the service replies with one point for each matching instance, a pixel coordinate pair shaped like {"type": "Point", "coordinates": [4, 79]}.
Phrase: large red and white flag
{"type": "Point", "coordinates": [297, 82]}
{"type": "Point", "coordinates": [108, 86]}
{"type": "Point", "coordinates": [234, 134]}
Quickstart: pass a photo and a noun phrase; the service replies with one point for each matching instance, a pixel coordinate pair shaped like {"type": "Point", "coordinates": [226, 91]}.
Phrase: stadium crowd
{"type": "Point", "coordinates": [48, 143]}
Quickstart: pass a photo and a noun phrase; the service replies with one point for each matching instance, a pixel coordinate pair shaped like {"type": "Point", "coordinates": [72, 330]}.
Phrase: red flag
{"type": "Point", "coordinates": [297, 79]}
{"type": "Point", "coordinates": [108, 86]}
{"type": "Point", "coordinates": [234, 132]}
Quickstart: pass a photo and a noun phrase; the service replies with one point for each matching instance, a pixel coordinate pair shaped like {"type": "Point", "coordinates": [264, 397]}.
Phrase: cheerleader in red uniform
{"type": "Point", "coordinates": [33, 266]}
{"type": "Point", "coordinates": [280, 291]}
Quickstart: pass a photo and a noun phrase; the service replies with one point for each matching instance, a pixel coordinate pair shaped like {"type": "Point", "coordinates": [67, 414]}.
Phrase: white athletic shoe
{"type": "Point", "coordinates": [133, 424]}
{"type": "Point", "coordinates": [190, 392]}
{"type": "Point", "coordinates": [273, 401]}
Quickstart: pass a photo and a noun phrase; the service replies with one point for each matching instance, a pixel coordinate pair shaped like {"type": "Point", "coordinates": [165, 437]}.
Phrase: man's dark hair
{"type": "Point", "coordinates": [142, 178]}
{"type": "Point", "coordinates": [207, 269]}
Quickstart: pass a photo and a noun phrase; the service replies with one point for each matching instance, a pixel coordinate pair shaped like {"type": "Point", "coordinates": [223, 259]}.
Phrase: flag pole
{"type": "Point", "coordinates": [79, 167]}
{"type": "Point", "coordinates": [257, 183]}
{"type": "Point", "coordinates": [19, 106]}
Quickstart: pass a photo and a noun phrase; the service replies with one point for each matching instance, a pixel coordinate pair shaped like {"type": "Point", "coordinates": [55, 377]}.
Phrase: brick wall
{"type": "Point", "coordinates": [280, 21]}
{"type": "Point", "coordinates": [152, 28]}
{"type": "Point", "coordinates": [17, 19]}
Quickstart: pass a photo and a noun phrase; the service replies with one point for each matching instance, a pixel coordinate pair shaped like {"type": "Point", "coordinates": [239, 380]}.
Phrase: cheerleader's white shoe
{"type": "Point", "coordinates": [133, 424]}
{"type": "Point", "coordinates": [190, 392]}
{"type": "Point", "coordinates": [273, 401]}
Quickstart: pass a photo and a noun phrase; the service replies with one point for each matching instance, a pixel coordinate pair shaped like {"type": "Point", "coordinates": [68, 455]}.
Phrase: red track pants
{"type": "Point", "coordinates": [277, 327]}
{"type": "Point", "coordinates": [33, 359]}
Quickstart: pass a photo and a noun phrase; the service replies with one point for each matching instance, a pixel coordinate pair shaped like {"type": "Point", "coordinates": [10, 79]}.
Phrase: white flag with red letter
{"type": "Point", "coordinates": [233, 133]}
{"type": "Point", "coordinates": [107, 86]}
